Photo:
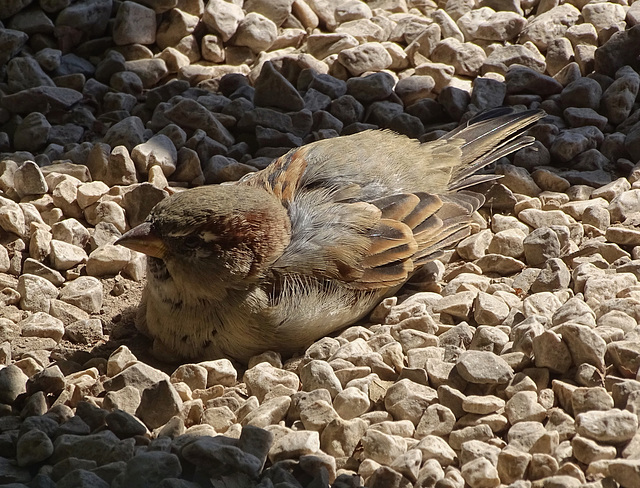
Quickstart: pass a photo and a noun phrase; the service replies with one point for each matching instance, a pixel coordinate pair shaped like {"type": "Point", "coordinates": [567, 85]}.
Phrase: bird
{"type": "Point", "coordinates": [313, 242]}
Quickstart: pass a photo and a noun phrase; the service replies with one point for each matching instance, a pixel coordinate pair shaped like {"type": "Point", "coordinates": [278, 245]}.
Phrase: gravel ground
{"type": "Point", "coordinates": [512, 362]}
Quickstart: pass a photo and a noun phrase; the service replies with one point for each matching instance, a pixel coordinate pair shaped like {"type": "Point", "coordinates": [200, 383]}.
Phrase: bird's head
{"type": "Point", "coordinates": [219, 233]}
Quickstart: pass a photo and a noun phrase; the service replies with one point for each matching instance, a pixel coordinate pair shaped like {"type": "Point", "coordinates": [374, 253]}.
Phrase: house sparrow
{"type": "Point", "coordinates": [313, 242]}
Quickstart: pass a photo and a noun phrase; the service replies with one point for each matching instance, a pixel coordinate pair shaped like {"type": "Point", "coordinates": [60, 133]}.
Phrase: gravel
{"type": "Point", "coordinates": [512, 362]}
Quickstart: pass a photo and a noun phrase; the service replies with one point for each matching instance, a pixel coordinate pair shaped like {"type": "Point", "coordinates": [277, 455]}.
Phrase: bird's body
{"type": "Point", "coordinates": [311, 243]}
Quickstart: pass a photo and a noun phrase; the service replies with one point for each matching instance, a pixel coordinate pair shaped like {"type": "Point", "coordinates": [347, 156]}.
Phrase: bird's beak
{"type": "Point", "coordinates": [142, 239]}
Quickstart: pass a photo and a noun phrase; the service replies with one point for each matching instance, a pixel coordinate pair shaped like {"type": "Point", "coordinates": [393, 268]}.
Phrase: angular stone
{"type": "Point", "coordinates": [84, 292]}
{"type": "Point", "coordinates": [612, 426]}
{"type": "Point", "coordinates": [36, 293]}
{"type": "Point", "coordinates": [483, 367]}
{"type": "Point", "coordinates": [158, 404]}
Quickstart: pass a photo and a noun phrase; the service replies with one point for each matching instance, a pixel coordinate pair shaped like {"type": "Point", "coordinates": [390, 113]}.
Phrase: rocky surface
{"type": "Point", "coordinates": [513, 362]}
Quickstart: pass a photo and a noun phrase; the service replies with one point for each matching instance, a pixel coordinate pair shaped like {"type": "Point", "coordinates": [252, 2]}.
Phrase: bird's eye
{"type": "Point", "coordinates": [191, 242]}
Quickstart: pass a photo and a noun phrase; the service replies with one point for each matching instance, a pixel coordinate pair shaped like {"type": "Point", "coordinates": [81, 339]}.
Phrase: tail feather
{"type": "Point", "coordinates": [463, 177]}
{"type": "Point", "coordinates": [488, 137]}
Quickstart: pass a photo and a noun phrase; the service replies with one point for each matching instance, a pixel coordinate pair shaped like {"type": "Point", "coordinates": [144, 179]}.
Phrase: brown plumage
{"type": "Point", "coordinates": [314, 241]}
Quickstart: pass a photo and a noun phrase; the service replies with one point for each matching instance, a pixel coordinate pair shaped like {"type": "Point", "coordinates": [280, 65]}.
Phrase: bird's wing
{"type": "Point", "coordinates": [367, 209]}
{"type": "Point", "coordinates": [364, 244]}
